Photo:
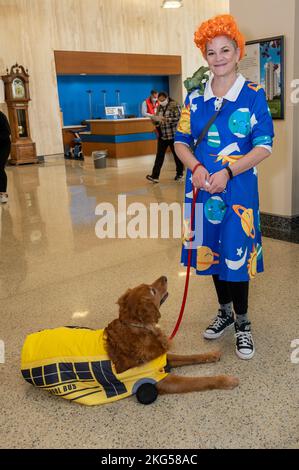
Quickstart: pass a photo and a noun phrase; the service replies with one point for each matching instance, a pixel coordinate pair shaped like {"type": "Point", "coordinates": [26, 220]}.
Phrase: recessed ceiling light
{"type": "Point", "coordinates": [172, 4]}
{"type": "Point", "coordinates": [80, 314]}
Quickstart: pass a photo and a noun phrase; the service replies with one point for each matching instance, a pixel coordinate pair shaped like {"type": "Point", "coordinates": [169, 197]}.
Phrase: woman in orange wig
{"type": "Point", "coordinates": [223, 166]}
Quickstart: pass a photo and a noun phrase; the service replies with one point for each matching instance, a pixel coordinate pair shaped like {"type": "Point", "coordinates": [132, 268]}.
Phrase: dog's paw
{"type": "Point", "coordinates": [227, 382]}
{"type": "Point", "coordinates": [215, 356]}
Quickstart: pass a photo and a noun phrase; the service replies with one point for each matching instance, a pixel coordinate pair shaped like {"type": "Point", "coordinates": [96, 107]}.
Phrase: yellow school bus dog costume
{"type": "Point", "coordinates": [73, 363]}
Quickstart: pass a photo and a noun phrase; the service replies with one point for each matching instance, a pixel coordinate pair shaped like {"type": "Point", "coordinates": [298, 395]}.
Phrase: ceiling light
{"type": "Point", "coordinates": [80, 314]}
{"type": "Point", "coordinates": [172, 4]}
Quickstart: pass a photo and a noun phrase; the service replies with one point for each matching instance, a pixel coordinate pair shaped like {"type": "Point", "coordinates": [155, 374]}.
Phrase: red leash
{"type": "Point", "coordinates": [195, 193]}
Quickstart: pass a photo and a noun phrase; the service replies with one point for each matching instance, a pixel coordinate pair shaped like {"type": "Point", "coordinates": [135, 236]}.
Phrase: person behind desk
{"type": "Point", "coordinates": [166, 120]}
{"type": "Point", "coordinates": [150, 105]}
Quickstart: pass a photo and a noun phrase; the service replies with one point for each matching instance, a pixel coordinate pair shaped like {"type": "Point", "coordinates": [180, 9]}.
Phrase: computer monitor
{"type": "Point", "coordinates": [115, 112]}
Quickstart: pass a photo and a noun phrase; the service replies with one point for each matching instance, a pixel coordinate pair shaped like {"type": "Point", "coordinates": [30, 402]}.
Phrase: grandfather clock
{"type": "Point", "coordinates": [16, 84]}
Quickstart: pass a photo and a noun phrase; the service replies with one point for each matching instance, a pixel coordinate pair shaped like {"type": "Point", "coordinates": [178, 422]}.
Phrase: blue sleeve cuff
{"type": "Point", "coordinates": [183, 139]}
{"type": "Point", "coordinates": [262, 140]}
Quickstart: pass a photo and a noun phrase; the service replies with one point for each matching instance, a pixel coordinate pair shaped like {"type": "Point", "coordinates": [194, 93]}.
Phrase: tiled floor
{"type": "Point", "coordinates": [55, 271]}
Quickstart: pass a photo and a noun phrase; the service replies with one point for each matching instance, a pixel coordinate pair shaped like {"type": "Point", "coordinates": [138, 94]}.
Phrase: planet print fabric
{"type": "Point", "coordinates": [226, 234]}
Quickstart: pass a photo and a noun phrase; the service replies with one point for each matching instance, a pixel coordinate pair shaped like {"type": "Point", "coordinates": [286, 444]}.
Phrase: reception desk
{"type": "Point", "coordinates": [122, 138]}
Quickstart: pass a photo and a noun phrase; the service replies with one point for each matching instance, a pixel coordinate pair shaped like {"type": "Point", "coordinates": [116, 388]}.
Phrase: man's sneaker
{"type": "Point", "coordinates": [3, 197]}
{"type": "Point", "coordinates": [220, 323]}
{"type": "Point", "coordinates": [179, 178]}
{"type": "Point", "coordinates": [152, 179]}
{"type": "Point", "coordinates": [244, 342]}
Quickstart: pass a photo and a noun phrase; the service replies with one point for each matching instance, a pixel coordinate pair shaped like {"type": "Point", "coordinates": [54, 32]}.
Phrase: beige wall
{"type": "Point", "coordinates": [262, 19]}
{"type": "Point", "coordinates": [30, 30]}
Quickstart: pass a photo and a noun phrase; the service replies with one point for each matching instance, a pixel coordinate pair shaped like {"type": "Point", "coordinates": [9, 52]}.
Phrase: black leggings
{"type": "Point", "coordinates": [4, 154]}
{"type": "Point", "coordinates": [236, 292]}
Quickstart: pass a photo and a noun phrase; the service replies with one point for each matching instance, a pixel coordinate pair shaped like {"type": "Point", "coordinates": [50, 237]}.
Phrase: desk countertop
{"type": "Point", "coordinates": [119, 120]}
{"type": "Point", "coordinates": [76, 126]}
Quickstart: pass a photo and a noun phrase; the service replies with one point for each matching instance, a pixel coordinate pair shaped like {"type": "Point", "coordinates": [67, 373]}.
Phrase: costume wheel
{"type": "Point", "coordinates": [147, 393]}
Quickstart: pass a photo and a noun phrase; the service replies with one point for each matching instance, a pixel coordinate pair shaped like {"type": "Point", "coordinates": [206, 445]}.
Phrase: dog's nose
{"type": "Point", "coordinates": [164, 278]}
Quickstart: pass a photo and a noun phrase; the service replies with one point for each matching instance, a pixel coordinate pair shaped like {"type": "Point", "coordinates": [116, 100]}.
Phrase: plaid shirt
{"type": "Point", "coordinates": [172, 113]}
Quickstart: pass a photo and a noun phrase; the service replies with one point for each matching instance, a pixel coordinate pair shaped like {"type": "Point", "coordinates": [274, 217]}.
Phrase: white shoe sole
{"type": "Point", "coordinates": [217, 335]}
{"type": "Point", "coordinates": [245, 356]}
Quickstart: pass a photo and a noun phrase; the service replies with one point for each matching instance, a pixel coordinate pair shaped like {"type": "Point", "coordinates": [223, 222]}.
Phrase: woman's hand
{"type": "Point", "coordinates": [218, 182]}
{"type": "Point", "coordinates": [200, 177]}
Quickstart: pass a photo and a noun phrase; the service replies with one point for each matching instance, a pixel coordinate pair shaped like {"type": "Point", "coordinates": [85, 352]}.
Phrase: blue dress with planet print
{"type": "Point", "coordinates": [226, 237]}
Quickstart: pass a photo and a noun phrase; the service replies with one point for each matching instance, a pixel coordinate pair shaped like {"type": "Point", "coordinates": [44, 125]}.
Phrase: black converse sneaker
{"type": "Point", "coordinates": [179, 178]}
{"type": "Point", "coordinates": [152, 179]}
{"type": "Point", "coordinates": [220, 323]}
{"type": "Point", "coordinates": [244, 344]}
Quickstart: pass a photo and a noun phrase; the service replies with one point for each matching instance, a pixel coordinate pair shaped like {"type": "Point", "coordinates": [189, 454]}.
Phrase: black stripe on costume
{"type": "Point", "coordinates": [104, 375]}
{"type": "Point", "coordinates": [37, 376]}
{"type": "Point", "coordinates": [86, 395]}
{"type": "Point", "coordinates": [51, 374]}
{"type": "Point", "coordinates": [26, 375]}
{"type": "Point", "coordinates": [82, 370]}
{"type": "Point", "coordinates": [66, 371]}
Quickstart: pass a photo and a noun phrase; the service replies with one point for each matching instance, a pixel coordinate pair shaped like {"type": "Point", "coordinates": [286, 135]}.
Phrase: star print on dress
{"type": "Point", "coordinates": [225, 155]}
{"type": "Point", "coordinates": [193, 107]}
{"type": "Point", "coordinates": [239, 251]}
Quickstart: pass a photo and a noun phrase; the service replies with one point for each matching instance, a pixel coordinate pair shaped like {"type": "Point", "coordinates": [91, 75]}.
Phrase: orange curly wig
{"type": "Point", "coordinates": [220, 25]}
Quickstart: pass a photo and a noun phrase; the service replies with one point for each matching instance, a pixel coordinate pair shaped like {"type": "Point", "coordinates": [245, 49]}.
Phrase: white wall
{"type": "Point", "coordinates": [262, 19]}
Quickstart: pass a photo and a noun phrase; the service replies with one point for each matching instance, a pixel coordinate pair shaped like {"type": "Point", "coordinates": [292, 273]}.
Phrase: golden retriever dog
{"type": "Point", "coordinates": [129, 357]}
{"type": "Point", "coordinates": [135, 338]}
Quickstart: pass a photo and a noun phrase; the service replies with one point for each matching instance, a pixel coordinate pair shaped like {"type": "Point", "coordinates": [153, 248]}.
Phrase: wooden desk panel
{"type": "Point", "coordinates": [123, 150]}
{"type": "Point", "coordinates": [120, 127]}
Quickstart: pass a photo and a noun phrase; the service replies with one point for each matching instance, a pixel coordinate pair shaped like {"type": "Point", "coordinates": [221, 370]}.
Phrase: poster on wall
{"type": "Point", "coordinates": [263, 63]}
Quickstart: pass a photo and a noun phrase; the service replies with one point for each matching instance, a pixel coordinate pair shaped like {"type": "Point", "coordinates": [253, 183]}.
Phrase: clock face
{"type": "Point", "coordinates": [18, 88]}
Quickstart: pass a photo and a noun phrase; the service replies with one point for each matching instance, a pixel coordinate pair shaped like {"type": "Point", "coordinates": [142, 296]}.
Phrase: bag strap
{"type": "Point", "coordinates": [208, 125]}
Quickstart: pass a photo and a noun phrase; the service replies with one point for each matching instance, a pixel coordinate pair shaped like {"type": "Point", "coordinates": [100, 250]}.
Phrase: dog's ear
{"type": "Point", "coordinates": [122, 301]}
{"type": "Point", "coordinates": [147, 311]}
{"type": "Point", "coordinates": [123, 305]}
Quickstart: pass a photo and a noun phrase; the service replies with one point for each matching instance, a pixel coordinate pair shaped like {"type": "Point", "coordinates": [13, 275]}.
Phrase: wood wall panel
{"type": "Point", "coordinates": [31, 30]}
{"type": "Point", "coordinates": [101, 63]}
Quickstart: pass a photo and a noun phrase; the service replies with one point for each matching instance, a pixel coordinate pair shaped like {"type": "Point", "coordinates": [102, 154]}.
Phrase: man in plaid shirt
{"type": "Point", "coordinates": [166, 121]}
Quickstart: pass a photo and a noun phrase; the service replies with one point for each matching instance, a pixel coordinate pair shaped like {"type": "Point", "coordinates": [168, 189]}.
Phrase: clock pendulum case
{"type": "Point", "coordinates": [16, 84]}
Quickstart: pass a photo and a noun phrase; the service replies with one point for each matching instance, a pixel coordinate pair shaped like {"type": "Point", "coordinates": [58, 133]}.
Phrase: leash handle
{"type": "Point", "coordinates": [195, 194]}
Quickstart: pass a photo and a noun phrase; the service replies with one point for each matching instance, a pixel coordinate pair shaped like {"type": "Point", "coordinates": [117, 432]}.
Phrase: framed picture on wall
{"type": "Point", "coordinates": [263, 63]}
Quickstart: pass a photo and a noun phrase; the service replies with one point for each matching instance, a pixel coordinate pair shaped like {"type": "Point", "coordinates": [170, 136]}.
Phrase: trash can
{"type": "Point", "coordinates": [99, 158]}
